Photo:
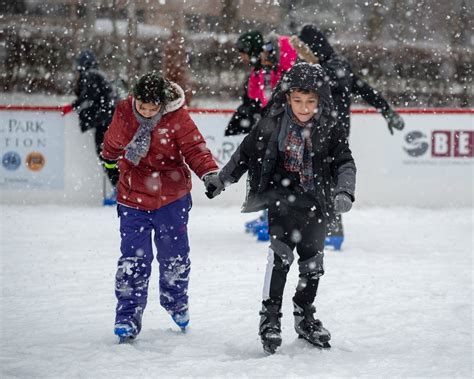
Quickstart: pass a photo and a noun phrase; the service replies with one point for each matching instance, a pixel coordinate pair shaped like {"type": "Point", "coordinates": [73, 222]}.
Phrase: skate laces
{"type": "Point", "coordinates": [272, 321]}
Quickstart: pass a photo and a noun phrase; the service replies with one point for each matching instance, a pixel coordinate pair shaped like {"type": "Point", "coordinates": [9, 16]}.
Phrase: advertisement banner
{"type": "Point", "coordinates": [32, 150]}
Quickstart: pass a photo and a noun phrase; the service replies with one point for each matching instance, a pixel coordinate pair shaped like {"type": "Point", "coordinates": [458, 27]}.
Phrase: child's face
{"type": "Point", "coordinates": [303, 104]}
{"type": "Point", "coordinates": [147, 110]}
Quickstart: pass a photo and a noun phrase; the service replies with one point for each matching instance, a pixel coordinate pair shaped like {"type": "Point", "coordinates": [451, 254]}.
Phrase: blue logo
{"type": "Point", "coordinates": [11, 160]}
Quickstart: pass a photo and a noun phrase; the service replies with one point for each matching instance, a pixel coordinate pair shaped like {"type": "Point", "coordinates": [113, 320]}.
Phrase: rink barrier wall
{"type": "Point", "coordinates": [430, 163]}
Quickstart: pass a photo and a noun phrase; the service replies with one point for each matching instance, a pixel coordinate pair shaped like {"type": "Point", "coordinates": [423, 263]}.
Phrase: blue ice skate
{"type": "Point", "coordinates": [262, 232]}
{"type": "Point", "coordinates": [334, 241]}
{"type": "Point", "coordinates": [250, 225]}
{"type": "Point", "coordinates": [181, 319]}
{"type": "Point", "coordinates": [125, 332]}
{"type": "Point", "coordinates": [111, 200]}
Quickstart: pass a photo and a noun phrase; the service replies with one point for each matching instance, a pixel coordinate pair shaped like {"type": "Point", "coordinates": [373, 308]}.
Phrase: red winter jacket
{"type": "Point", "coordinates": [163, 175]}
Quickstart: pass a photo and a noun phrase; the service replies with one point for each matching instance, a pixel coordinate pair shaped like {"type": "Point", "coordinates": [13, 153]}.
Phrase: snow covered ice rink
{"type": "Point", "coordinates": [397, 299]}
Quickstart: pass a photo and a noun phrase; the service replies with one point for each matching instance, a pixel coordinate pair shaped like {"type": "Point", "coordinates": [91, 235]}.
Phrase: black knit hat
{"type": "Point", "coordinates": [315, 39]}
{"type": "Point", "coordinates": [250, 43]}
{"type": "Point", "coordinates": [150, 88]}
{"type": "Point", "coordinates": [305, 76]}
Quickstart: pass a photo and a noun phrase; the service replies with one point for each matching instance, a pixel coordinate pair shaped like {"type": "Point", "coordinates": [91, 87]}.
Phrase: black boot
{"type": "Point", "coordinates": [270, 327]}
{"type": "Point", "coordinates": [308, 328]}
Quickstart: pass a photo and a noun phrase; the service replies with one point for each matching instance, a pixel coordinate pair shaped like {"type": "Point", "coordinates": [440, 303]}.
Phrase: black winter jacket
{"type": "Point", "coordinates": [333, 164]}
{"type": "Point", "coordinates": [246, 115]}
{"type": "Point", "coordinates": [96, 100]}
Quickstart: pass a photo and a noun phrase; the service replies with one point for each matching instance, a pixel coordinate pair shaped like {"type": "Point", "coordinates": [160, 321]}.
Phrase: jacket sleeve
{"type": "Point", "coordinates": [239, 161]}
{"type": "Point", "coordinates": [193, 146]}
{"type": "Point", "coordinates": [343, 164]}
{"type": "Point", "coordinates": [115, 139]}
{"type": "Point", "coordinates": [369, 94]}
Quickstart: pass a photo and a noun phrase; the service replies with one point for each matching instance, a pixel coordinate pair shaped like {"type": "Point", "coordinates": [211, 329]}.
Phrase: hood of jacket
{"type": "Point", "coordinates": [174, 97]}
{"type": "Point", "coordinates": [306, 76]}
{"type": "Point", "coordinates": [315, 39]}
{"type": "Point", "coordinates": [86, 60]}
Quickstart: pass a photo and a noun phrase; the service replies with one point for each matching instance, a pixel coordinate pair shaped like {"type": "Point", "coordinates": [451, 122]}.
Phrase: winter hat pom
{"type": "Point", "coordinates": [150, 88]}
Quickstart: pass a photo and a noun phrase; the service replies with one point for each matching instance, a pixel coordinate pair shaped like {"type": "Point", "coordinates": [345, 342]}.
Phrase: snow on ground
{"type": "Point", "coordinates": [397, 299]}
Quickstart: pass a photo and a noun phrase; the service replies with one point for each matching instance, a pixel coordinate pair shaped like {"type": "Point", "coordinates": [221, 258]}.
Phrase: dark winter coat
{"type": "Point", "coordinates": [246, 116]}
{"type": "Point", "coordinates": [162, 176]}
{"type": "Point", "coordinates": [96, 96]}
{"type": "Point", "coordinates": [257, 154]}
{"type": "Point", "coordinates": [344, 82]}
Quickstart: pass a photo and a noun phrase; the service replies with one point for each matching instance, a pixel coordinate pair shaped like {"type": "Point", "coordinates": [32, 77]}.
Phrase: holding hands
{"type": "Point", "coordinates": [214, 185]}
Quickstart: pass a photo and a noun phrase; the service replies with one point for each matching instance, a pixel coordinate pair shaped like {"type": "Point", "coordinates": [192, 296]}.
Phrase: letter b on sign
{"type": "Point", "coordinates": [441, 143]}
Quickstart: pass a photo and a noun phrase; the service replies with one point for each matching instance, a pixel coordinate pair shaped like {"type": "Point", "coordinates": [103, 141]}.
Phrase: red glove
{"type": "Point", "coordinates": [65, 109]}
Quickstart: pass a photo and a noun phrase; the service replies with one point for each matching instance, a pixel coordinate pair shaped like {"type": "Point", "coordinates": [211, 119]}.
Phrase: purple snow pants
{"type": "Point", "coordinates": [169, 225]}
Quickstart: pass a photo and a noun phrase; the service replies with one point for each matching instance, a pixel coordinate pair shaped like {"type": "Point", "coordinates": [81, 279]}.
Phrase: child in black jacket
{"type": "Point", "coordinates": [293, 155]}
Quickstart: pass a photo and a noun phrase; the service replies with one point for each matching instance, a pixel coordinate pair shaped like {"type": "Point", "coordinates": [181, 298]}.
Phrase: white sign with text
{"type": "Point", "coordinates": [32, 150]}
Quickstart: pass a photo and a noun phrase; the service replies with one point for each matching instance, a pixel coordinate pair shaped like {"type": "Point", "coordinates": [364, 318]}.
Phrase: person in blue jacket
{"type": "Point", "coordinates": [95, 102]}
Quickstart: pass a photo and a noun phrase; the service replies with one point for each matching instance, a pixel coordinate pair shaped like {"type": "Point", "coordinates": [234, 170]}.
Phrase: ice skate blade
{"type": "Point", "coordinates": [125, 340]}
{"type": "Point", "coordinates": [269, 349]}
{"type": "Point", "coordinates": [321, 345]}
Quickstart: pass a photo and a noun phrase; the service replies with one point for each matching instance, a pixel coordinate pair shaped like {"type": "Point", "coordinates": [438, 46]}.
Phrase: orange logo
{"type": "Point", "coordinates": [35, 161]}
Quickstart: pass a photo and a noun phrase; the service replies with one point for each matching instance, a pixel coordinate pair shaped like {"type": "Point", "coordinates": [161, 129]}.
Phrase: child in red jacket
{"type": "Point", "coordinates": [153, 140]}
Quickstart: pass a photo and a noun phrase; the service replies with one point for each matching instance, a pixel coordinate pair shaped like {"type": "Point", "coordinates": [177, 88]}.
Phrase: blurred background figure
{"type": "Point", "coordinates": [95, 105]}
{"type": "Point", "coordinates": [249, 46]}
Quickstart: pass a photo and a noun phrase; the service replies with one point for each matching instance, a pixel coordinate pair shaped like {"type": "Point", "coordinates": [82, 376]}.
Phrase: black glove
{"type": "Point", "coordinates": [342, 203]}
{"type": "Point", "coordinates": [394, 120]}
{"type": "Point", "coordinates": [214, 185]}
{"type": "Point", "coordinates": [109, 164]}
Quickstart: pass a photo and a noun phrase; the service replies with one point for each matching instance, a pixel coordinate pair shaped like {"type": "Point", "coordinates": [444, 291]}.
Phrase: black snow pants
{"type": "Point", "coordinates": [290, 228]}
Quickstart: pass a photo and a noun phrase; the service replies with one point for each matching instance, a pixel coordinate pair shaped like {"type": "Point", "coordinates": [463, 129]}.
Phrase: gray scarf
{"type": "Point", "coordinates": [140, 144]}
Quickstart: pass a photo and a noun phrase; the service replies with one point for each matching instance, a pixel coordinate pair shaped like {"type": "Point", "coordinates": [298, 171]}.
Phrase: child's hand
{"type": "Point", "coordinates": [214, 185]}
{"type": "Point", "coordinates": [342, 203]}
{"type": "Point", "coordinates": [394, 120]}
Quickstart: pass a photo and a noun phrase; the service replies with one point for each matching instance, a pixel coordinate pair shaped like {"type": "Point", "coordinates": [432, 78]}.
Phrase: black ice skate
{"type": "Point", "coordinates": [270, 328]}
{"type": "Point", "coordinates": [310, 329]}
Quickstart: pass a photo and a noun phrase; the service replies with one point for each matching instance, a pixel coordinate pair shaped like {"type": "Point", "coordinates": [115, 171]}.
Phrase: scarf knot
{"type": "Point", "coordinates": [138, 147]}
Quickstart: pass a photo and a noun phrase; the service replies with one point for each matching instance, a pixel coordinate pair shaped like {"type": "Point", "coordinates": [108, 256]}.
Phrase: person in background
{"type": "Point", "coordinates": [292, 156]}
{"type": "Point", "coordinates": [249, 45]}
{"type": "Point", "coordinates": [152, 140]}
{"type": "Point", "coordinates": [95, 103]}
{"type": "Point", "coordinates": [276, 58]}
{"type": "Point", "coordinates": [313, 47]}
